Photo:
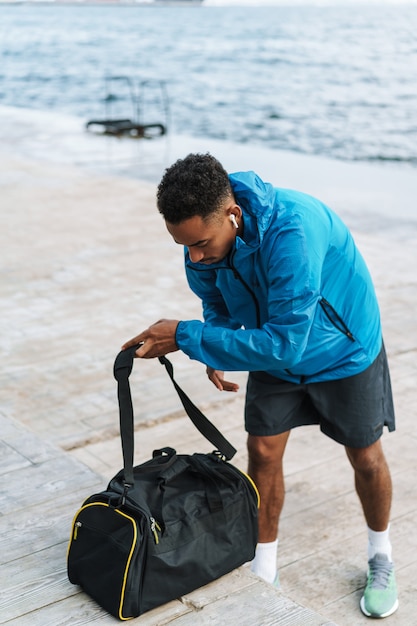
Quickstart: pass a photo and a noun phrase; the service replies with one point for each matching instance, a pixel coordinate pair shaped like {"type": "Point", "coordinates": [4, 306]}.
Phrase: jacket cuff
{"type": "Point", "coordinates": [188, 337]}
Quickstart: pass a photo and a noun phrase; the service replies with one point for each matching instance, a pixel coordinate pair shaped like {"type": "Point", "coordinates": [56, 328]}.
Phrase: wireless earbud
{"type": "Point", "coordinates": [233, 220]}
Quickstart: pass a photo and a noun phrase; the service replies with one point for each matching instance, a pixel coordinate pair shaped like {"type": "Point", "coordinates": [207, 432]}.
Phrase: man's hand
{"type": "Point", "coordinates": [157, 340]}
{"type": "Point", "coordinates": [217, 379]}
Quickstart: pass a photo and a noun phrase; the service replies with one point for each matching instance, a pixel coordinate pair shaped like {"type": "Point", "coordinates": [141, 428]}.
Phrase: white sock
{"type": "Point", "coordinates": [264, 564]}
{"type": "Point", "coordinates": [379, 543]}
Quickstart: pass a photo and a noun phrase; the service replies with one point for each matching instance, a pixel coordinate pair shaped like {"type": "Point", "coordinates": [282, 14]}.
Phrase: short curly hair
{"type": "Point", "coordinates": [195, 185]}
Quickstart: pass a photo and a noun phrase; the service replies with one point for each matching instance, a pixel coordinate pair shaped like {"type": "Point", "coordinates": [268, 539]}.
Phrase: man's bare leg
{"type": "Point", "coordinates": [266, 469]}
{"type": "Point", "coordinates": [374, 488]}
{"type": "Point", "coordinates": [373, 484]}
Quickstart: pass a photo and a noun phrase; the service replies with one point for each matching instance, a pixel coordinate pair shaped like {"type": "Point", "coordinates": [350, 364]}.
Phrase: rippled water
{"type": "Point", "coordinates": [336, 81]}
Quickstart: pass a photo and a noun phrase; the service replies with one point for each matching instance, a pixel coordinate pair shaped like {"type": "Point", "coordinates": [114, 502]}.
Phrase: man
{"type": "Point", "coordinates": [287, 297]}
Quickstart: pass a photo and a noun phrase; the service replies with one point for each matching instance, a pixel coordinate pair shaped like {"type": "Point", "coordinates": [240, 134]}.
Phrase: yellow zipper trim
{"type": "Point", "coordinates": [258, 496]}
{"type": "Point", "coordinates": [135, 537]}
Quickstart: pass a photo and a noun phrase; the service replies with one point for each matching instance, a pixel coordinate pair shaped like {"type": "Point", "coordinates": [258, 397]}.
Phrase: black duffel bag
{"type": "Point", "coordinates": [167, 526]}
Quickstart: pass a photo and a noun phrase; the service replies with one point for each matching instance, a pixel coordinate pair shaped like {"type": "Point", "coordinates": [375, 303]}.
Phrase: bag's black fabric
{"type": "Point", "coordinates": [165, 527]}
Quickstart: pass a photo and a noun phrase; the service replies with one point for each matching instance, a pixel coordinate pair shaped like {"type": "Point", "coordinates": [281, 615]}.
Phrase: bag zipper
{"type": "Point", "coordinates": [155, 527]}
{"type": "Point", "coordinates": [78, 524]}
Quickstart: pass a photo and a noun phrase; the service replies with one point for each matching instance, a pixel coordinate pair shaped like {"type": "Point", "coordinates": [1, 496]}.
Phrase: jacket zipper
{"type": "Point", "coordinates": [335, 318]}
{"type": "Point", "coordinates": [238, 276]}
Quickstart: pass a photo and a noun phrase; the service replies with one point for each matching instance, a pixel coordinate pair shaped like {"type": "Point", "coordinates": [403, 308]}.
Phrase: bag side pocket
{"type": "Point", "coordinates": [106, 557]}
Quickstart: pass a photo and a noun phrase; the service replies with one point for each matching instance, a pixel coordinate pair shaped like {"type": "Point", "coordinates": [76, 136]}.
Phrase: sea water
{"type": "Point", "coordinates": [337, 81]}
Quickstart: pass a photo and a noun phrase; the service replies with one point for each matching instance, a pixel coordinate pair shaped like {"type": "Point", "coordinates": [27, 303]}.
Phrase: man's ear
{"type": "Point", "coordinates": [235, 214]}
{"type": "Point", "coordinates": [232, 218]}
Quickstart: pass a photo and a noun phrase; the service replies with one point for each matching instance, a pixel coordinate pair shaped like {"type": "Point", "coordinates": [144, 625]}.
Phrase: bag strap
{"type": "Point", "coordinates": [122, 369]}
{"type": "Point", "coordinates": [200, 421]}
{"type": "Point", "coordinates": [123, 366]}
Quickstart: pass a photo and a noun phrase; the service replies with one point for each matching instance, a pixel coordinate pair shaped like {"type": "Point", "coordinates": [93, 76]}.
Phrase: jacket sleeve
{"type": "Point", "coordinates": [292, 259]}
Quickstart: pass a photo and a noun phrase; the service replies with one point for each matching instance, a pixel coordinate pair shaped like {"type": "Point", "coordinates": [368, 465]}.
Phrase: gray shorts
{"type": "Point", "coordinates": [352, 411]}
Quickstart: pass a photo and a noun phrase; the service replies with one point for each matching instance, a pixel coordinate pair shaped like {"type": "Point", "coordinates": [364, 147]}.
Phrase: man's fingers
{"type": "Point", "coordinates": [132, 342]}
{"type": "Point", "coordinates": [216, 377]}
{"type": "Point", "coordinates": [144, 349]}
{"type": "Point", "coordinates": [228, 386]}
{"type": "Point", "coordinates": [218, 382]}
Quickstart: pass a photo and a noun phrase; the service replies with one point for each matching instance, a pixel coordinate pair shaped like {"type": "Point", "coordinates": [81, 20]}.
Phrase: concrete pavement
{"type": "Point", "coordinates": [86, 264]}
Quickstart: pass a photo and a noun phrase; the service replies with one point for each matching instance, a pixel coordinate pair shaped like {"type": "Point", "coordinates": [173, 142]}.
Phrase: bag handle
{"type": "Point", "coordinates": [123, 366]}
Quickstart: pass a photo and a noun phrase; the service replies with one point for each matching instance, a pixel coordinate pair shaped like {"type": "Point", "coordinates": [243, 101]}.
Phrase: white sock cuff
{"type": "Point", "coordinates": [265, 562]}
{"type": "Point", "coordinates": [378, 537]}
{"type": "Point", "coordinates": [379, 542]}
{"type": "Point", "coordinates": [268, 545]}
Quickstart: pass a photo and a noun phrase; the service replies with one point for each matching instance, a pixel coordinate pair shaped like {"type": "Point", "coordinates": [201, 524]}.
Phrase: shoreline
{"type": "Point", "coordinates": [350, 187]}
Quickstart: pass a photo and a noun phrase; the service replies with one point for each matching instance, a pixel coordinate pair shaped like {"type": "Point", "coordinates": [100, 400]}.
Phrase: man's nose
{"type": "Point", "coordinates": [196, 255]}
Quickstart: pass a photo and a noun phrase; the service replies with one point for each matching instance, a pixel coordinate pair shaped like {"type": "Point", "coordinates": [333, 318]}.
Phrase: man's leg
{"type": "Point", "coordinates": [266, 469]}
{"type": "Point", "coordinates": [373, 484]}
{"type": "Point", "coordinates": [374, 487]}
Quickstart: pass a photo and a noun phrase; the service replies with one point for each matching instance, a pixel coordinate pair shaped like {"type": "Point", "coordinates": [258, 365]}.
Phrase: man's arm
{"type": "Point", "coordinates": [159, 339]}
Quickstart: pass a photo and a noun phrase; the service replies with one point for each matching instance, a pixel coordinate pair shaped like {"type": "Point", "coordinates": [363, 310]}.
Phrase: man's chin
{"type": "Point", "coordinates": [211, 261]}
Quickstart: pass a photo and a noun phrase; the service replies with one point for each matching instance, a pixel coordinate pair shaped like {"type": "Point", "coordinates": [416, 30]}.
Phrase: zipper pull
{"type": "Point", "coordinates": [126, 488]}
{"type": "Point", "coordinates": [154, 528]}
{"type": "Point", "coordinates": [77, 525]}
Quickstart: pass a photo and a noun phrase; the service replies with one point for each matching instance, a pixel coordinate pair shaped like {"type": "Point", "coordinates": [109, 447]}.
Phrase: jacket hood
{"type": "Point", "coordinates": [256, 198]}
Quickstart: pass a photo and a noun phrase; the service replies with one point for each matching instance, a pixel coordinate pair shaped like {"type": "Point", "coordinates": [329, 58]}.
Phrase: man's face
{"type": "Point", "coordinates": [208, 241]}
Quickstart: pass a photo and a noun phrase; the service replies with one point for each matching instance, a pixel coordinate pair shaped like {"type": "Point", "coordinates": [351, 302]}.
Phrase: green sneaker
{"type": "Point", "coordinates": [380, 596]}
{"type": "Point", "coordinates": [276, 582]}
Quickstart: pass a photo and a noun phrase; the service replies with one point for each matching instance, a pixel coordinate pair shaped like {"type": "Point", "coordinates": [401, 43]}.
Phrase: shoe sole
{"type": "Point", "coordinates": [387, 614]}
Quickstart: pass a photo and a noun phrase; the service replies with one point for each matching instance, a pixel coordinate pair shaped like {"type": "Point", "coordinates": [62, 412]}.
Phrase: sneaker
{"type": "Point", "coordinates": [276, 583]}
{"type": "Point", "coordinates": [380, 596]}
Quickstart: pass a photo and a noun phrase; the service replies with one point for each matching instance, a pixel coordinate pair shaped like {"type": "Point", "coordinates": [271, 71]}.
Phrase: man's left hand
{"type": "Point", "coordinates": [157, 340]}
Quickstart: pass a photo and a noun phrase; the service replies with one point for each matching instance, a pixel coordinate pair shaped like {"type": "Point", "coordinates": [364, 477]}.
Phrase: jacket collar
{"type": "Point", "coordinates": [256, 199]}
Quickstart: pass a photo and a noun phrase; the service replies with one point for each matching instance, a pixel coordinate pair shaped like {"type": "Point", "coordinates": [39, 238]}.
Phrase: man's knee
{"type": "Point", "coordinates": [265, 450]}
{"type": "Point", "coordinates": [367, 460]}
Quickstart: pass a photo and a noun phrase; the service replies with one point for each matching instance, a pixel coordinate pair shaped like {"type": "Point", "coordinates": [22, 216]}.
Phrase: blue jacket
{"type": "Point", "coordinates": [294, 298]}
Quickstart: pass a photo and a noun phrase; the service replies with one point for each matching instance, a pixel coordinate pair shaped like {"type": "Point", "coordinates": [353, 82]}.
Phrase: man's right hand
{"type": "Point", "coordinates": [217, 378]}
